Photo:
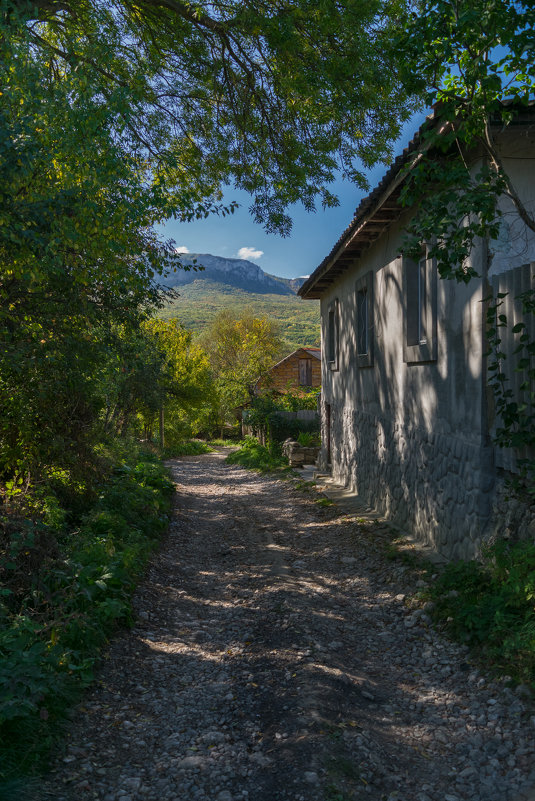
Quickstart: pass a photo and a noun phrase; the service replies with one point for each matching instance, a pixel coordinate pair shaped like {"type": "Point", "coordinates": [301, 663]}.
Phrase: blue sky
{"type": "Point", "coordinates": [312, 237]}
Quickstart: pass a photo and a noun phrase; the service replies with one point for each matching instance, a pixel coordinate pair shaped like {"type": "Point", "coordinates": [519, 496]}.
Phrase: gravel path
{"type": "Point", "coordinates": [277, 656]}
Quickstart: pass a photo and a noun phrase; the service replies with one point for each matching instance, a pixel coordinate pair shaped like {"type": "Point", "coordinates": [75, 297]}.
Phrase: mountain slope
{"type": "Point", "coordinates": [202, 299]}
{"type": "Point", "coordinates": [292, 283]}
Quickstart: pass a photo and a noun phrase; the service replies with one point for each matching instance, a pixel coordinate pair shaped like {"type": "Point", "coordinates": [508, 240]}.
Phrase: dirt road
{"type": "Point", "coordinates": [276, 656]}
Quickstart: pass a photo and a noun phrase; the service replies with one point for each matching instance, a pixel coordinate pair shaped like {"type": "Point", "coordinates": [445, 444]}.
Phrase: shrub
{"type": "Point", "coordinates": [266, 415]}
{"type": "Point", "coordinates": [307, 439]}
{"type": "Point", "coordinates": [490, 605]}
{"type": "Point", "coordinates": [257, 457]}
{"type": "Point", "coordinates": [281, 428]}
{"type": "Point", "coordinates": [77, 591]}
{"type": "Point", "coordinates": [192, 447]}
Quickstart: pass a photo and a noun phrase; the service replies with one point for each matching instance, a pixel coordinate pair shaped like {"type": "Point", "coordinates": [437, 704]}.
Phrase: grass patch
{"type": "Point", "coordinates": [64, 592]}
{"type": "Point", "coordinates": [324, 502]}
{"type": "Point", "coordinates": [257, 457]}
{"type": "Point", "coordinates": [490, 605]}
{"type": "Point", "coordinates": [304, 486]}
{"type": "Point", "coordinates": [223, 443]}
{"type": "Point", "coordinates": [189, 447]}
{"type": "Point", "coordinates": [343, 766]}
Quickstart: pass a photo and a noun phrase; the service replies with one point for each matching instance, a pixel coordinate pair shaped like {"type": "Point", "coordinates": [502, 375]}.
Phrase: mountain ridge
{"type": "Point", "coordinates": [239, 273]}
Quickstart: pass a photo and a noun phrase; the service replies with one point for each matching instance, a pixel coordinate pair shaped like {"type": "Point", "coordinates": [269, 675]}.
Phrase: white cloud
{"type": "Point", "coordinates": [250, 254]}
{"type": "Point", "coordinates": [182, 249]}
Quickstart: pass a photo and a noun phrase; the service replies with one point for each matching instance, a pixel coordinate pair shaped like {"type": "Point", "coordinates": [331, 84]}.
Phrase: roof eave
{"type": "Point", "coordinates": [346, 251]}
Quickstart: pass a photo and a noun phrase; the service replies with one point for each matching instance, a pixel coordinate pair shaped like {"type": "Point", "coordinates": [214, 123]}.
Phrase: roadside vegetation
{"type": "Point", "coordinates": [265, 419]}
{"type": "Point", "coordinates": [487, 604]}
{"type": "Point", "coordinates": [254, 456]}
{"type": "Point", "coordinates": [490, 606]}
{"type": "Point", "coordinates": [188, 447]}
{"type": "Point", "coordinates": [67, 576]}
{"type": "Point", "coordinates": [269, 427]}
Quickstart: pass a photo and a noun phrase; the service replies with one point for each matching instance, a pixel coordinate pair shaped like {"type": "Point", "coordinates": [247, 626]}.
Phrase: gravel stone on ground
{"type": "Point", "coordinates": [277, 656]}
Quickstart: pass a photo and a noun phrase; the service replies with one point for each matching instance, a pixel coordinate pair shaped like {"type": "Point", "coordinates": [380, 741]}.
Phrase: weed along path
{"type": "Point", "coordinates": [277, 656]}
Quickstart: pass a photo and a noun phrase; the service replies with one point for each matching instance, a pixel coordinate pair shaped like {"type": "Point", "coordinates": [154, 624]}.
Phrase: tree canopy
{"type": "Point", "coordinates": [474, 62]}
{"type": "Point", "coordinates": [116, 115]}
{"type": "Point", "coordinates": [270, 96]}
{"type": "Point", "coordinates": [241, 349]}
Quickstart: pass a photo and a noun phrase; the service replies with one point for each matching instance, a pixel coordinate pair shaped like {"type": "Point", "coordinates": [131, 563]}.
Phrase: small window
{"type": "Point", "coordinates": [416, 301]}
{"type": "Point", "coordinates": [305, 372]}
{"type": "Point", "coordinates": [420, 301]}
{"type": "Point", "coordinates": [364, 321]}
{"type": "Point", "coordinates": [333, 334]}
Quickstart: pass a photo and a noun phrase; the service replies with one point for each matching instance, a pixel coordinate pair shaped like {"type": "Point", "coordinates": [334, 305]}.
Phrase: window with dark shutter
{"type": "Point", "coordinates": [364, 320]}
{"type": "Point", "coordinates": [305, 372]}
{"type": "Point", "coordinates": [416, 301]}
{"type": "Point", "coordinates": [420, 309]}
{"type": "Point", "coordinates": [333, 334]}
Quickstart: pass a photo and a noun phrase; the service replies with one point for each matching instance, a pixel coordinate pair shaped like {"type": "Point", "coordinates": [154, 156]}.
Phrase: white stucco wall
{"type": "Point", "coordinates": [440, 397]}
{"type": "Point", "coordinates": [409, 437]}
{"type": "Point", "coordinates": [413, 439]}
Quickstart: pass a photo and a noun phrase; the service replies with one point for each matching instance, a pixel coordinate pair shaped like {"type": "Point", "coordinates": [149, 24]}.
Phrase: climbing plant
{"type": "Point", "coordinates": [474, 61]}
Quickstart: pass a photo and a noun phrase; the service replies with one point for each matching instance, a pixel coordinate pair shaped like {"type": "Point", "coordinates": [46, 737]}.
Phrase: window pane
{"type": "Point", "coordinates": [412, 302]}
{"type": "Point", "coordinates": [331, 337]}
{"type": "Point", "coordinates": [305, 372]}
{"type": "Point", "coordinates": [362, 321]}
{"type": "Point", "coordinates": [422, 303]}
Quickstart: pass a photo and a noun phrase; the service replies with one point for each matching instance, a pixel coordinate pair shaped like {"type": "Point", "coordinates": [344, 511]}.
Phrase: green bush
{"type": "Point", "coordinates": [491, 605]}
{"type": "Point", "coordinates": [307, 440]}
{"type": "Point", "coordinates": [264, 415]}
{"type": "Point", "coordinates": [282, 428]}
{"type": "Point", "coordinates": [257, 457]}
{"type": "Point", "coordinates": [192, 447]}
{"type": "Point", "coordinates": [74, 599]}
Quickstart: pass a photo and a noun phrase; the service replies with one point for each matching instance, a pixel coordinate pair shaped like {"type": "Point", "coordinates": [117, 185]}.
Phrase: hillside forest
{"type": "Point", "coordinates": [201, 301]}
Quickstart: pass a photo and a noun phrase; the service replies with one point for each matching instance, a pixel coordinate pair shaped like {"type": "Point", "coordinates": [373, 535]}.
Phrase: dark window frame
{"type": "Point", "coordinates": [419, 309]}
{"type": "Point", "coordinates": [306, 364]}
{"type": "Point", "coordinates": [333, 335]}
{"type": "Point", "coordinates": [364, 320]}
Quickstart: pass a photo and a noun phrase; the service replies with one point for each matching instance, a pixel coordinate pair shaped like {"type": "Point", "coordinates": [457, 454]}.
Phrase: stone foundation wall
{"type": "Point", "coordinates": [439, 488]}
{"type": "Point", "coordinates": [299, 455]}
